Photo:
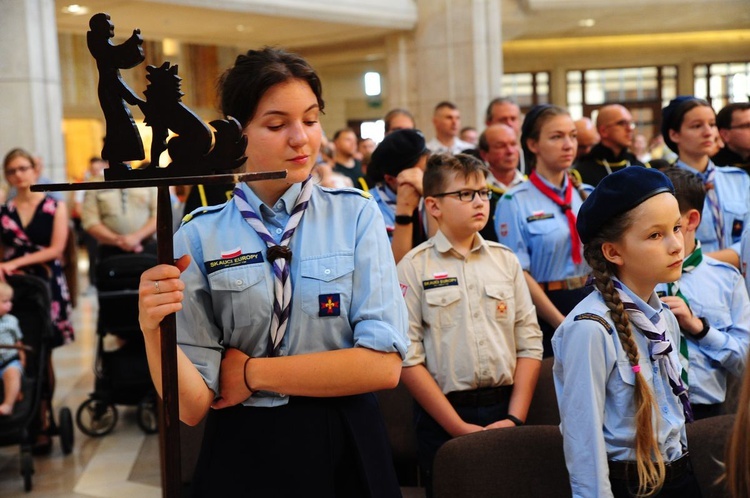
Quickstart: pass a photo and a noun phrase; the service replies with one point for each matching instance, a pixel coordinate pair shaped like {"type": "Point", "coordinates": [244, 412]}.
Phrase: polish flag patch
{"type": "Point", "coordinates": [404, 288]}
{"type": "Point", "coordinates": [232, 253]}
{"type": "Point", "coordinates": [442, 274]}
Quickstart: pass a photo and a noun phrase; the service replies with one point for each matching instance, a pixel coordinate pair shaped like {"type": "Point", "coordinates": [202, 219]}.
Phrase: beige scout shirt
{"type": "Point", "coordinates": [469, 318]}
{"type": "Point", "coordinates": [122, 211]}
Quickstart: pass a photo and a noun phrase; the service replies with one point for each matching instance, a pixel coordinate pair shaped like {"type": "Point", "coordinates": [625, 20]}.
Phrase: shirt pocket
{"type": "Point", "coordinates": [442, 306]}
{"type": "Point", "coordinates": [540, 228]}
{"type": "Point", "coordinates": [500, 303]}
{"type": "Point", "coordinates": [624, 396]}
{"type": "Point", "coordinates": [734, 216]}
{"type": "Point", "coordinates": [328, 280]}
{"type": "Point", "coordinates": [239, 296]}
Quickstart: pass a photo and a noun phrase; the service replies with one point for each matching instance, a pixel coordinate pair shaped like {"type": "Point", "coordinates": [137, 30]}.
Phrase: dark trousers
{"type": "Point", "coordinates": [565, 301]}
{"type": "Point", "coordinates": [705, 411]}
{"type": "Point", "coordinates": [328, 447]}
{"type": "Point", "coordinates": [431, 436]}
{"type": "Point", "coordinates": [682, 487]}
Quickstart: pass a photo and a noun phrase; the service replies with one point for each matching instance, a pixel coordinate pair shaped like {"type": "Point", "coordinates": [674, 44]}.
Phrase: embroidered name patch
{"type": "Point", "coordinates": [330, 305]}
{"type": "Point", "coordinates": [537, 217]}
{"type": "Point", "coordinates": [596, 318]}
{"type": "Point", "coordinates": [439, 282]}
{"type": "Point", "coordinates": [242, 259]}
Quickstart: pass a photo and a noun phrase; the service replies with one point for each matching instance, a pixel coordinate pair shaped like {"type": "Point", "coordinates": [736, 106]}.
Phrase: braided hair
{"type": "Point", "coordinates": [649, 461]}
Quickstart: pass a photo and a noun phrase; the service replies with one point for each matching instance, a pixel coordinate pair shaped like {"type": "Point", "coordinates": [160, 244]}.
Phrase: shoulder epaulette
{"type": "Point", "coordinates": [577, 174]}
{"type": "Point", "coordinates": [347, 190]}
{"type": "Point", "coordinates": [201, 211]}
{"type": "Point", "coordinates": [721, 264]}
{"type": "Point", "coordinates": [595, 318]}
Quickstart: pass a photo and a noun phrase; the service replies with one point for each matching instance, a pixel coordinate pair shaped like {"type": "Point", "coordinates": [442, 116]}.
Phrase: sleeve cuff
{"type": "Point", "coordinates": [380, 336]}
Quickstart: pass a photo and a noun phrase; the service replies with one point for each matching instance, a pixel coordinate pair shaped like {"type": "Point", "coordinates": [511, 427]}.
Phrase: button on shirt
{"type": "Point", "coordinates": [595, 388]}
{"type": "Point", "coordinates": [732, 187]}
{"type": "Point", "coordinates": [536, 230]}
{"type": "Point", "coordinates": [717, 293]}
{"type": "Point", "coordinates": [122, 211]}
{"type": "Point", "coordinates": [469, 318]}
{"type": "Point", "coordinates": [341, 256]}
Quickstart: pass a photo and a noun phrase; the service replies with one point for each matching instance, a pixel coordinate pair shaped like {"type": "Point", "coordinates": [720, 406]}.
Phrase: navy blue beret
{"type": "Point", "coordinates": [668, 113]}
{"type": "Point", "coordinates": [398, 151]}
{"type": "Point", "coordinates": [617, 193]}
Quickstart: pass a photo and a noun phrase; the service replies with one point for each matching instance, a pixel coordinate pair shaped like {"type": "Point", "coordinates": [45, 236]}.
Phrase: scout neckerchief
{"type": "Point", "coordinates": [713, 202]}
{"type": "Point", "coordinates": [673, 288]}
{"type": "Point", "coordinates": [659, 347]}
{"type": "Point", "coordinates": [279, 255]}
{"type": "Point", "coordinates": [566, 205]}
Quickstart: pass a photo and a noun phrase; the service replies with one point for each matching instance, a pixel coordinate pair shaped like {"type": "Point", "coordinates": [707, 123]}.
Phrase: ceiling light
{"type": "Point", "coordinates": [586, 23]}
{"type": "Point", "coordinates": [75, 9]}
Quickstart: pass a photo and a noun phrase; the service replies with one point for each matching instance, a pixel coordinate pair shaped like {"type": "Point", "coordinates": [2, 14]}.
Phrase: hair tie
{"type": "Point", "coordinates": [636, 368]}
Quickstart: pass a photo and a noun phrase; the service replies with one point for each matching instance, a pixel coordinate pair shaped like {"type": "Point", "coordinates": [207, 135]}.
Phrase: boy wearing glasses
{"type": "Point", "coordinates": [616, 129]}
{"type": "Point", "coordinates": [476, 345]}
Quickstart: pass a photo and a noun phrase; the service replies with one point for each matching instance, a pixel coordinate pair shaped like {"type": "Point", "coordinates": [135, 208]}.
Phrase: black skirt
{"type": "Point", "coordinates": [309, 447]}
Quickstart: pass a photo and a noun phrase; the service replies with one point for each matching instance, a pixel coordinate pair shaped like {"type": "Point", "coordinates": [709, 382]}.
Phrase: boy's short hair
{"type": "Point", "coordinates": [688, 189]}
{"type": "Point", "coordinates": [441, 167]}
{"type": "Point", "coordinates": [445, 104]}
{"type": "Point", "coordinates": [6, 289]}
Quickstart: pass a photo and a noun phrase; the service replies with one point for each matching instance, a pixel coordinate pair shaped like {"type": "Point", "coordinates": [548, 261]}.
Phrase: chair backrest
{"type": "Point", "coordinates": [397, 408]}
{"type": "Point", "coordinates": [543, 409]}
{"type": "Point", "coordinates": [707, 440]}
{"type": "Point", "coordinates": [521, 462]}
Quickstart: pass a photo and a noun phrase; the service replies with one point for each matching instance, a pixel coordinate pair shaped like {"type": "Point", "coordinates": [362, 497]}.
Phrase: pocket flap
{"type": "Point", "coordinates": [327, 268]}
{"type": "Point", "coordinates": [236, 279]}
{"type": "Point", "coordinates": [442, 297]}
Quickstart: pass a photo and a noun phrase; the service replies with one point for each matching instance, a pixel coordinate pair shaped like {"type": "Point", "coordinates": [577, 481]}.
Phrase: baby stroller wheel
{"type": "Point", "coordinates": [27, 469]}
{"type": "Point", "coordinates": [66, 430]}
{"type": "Point", "coordinates": [96, 418]}
{"type": "Point", "coordinates": [147, 417]}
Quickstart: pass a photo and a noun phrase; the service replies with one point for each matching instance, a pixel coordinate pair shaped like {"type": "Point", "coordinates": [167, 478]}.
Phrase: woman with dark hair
{"type": "Point", "coordinates": [536, 219]}
{"type": "Point", "coordinates": [289, 309]}
{"type": "Point", "coordinates": [689, 129]}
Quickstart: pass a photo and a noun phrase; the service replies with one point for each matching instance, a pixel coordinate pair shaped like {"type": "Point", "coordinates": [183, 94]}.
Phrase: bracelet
{"type": "Point", "coordinates": [244, 374]}
{"type": "Point", "coordinates": [700, 335]}
{"type": "Point", "coordinates": [403, 219]}
{"type": "Point", "coordinates": [517, 421]}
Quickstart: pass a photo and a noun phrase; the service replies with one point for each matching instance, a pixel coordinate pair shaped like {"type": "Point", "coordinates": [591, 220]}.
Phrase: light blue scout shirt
{"type": "Point", "coordinates": [745, 256]}
{"type": "Point", "coordinates": [536, 229]}
{"type": "Point", "coordinates": [732, 187]}
{"type": "Point", "coordinates": [345, 290]}
{"type": "Point", "coordinates": [717, 293]}
{"type": "Point", "coordinates": [385, 198]}
{"type": "Point", "coordinates": [595, 388]}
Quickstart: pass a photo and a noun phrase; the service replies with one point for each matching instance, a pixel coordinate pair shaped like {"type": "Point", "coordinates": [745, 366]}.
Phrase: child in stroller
{"type": "Point", "coordinates": [31, 305]}
{"type": "Point", "coordinates": [12, 354]}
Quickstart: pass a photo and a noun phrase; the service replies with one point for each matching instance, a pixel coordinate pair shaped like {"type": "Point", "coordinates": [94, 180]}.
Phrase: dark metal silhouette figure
{"type": "Point", "coordinates": [122, 141]}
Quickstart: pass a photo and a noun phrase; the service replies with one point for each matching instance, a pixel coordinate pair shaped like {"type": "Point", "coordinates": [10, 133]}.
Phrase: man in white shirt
{"type": "Point", "coordinates": [447, 122]}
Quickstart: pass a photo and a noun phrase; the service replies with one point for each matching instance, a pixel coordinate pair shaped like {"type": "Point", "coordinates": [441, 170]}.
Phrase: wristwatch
{"type": "Point", "coordinates": [404, 219]}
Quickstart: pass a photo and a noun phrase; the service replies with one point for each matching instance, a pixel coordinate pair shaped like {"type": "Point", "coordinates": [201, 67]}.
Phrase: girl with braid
{"type": "Point", "coordinates": [536, 219]}
{"type": "Point", "coordinates": [623, 405]}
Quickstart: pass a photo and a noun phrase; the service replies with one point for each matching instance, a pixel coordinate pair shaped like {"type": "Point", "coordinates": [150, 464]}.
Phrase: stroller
{"type": "Point", "coordinates": [31, 305]}
{"type": "Point", "coordinates": [122, 375]}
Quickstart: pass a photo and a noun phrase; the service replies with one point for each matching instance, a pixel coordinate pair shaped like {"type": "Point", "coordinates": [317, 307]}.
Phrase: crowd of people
{"type": "Point", "coordinates": [453, 265]}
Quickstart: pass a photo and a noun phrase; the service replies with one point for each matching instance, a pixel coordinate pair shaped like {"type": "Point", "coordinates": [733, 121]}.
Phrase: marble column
{"type": "Point", "coordinates": [30, 89]}
{"type": "Point", "coordinates": [455, 54]}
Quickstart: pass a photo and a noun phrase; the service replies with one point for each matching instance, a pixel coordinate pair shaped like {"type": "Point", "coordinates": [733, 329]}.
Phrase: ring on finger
{"type": "Point", "coordinates": [156, 285]}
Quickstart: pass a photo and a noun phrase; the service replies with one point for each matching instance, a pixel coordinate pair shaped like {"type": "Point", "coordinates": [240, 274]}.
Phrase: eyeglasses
{"type": "Point", "coordinates": [467, 195]}
{"type": "Point", "coordinates": [743, 126]}
{"type": "Point", "coordinates": [20, 169]}
{"type": "Point", "coordinates": [624, 123]}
